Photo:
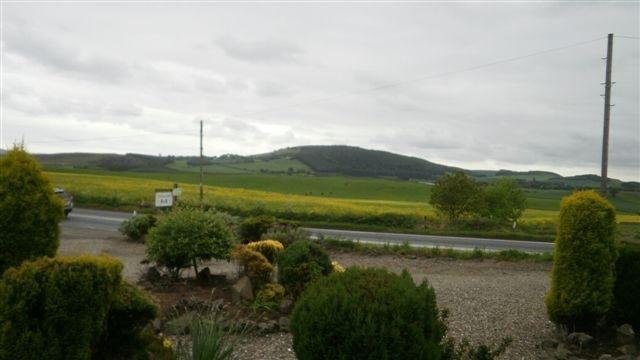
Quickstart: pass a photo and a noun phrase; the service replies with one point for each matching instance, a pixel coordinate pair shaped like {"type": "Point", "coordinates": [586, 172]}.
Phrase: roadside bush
{"type": "Point", "coordinates": [302, 263]}
{"type": "Point", "coordinates": [504, 201]}
{"type": "Point", "coordinates": [137, 227]}
{"type": "Point", "coordinates": [54, 308]}
{"type": "Point", "coordinates": [367, 314]}
{"type": "Point", "coordinates": [582, 277]}
{"type": "Point", "coordinates": [268, 248]}
{"type": "Point", "coordinates": [456, 195]}
{"type": "Point", "coordinates": [626, 302]}
{"type": "Point", "coordinates": [131, 310]}
{"type": "Point", "coordinates": [30, 210]}
{"type": "Point", "coordinates": [252, 228]}
{"type": "Point", "coordinates": [286, 235]}
{"type": "Point", "coordinates": [254, 265]}
{"type": "Point", "coordinates": [186, 236]}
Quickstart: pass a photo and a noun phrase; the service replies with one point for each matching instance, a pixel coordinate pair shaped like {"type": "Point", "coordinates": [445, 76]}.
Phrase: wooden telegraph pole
{"type": "Point", "coordinates": [201, 194]}
{"type": "Point", "coordinates": [607, 109]}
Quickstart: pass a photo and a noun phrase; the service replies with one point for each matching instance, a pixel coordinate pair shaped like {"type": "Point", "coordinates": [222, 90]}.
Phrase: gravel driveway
{"type": "Point", "coordinates": [488, 300]}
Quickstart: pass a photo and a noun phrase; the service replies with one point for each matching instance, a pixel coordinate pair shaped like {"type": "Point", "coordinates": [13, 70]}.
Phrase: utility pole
{"type": "Point", "coordinates": [201, 194]}
{"type": "Point", "coordinates": [607, 109]}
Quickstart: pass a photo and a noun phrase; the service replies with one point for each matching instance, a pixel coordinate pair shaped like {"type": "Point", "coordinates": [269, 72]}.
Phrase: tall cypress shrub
{"type": "Point", "coordinates": [30, 211]}
{"type": "Point", "coordinates": [582, 277]}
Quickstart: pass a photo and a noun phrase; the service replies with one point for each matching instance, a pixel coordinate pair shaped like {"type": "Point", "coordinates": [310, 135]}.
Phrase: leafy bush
{"type": "Point", "coordinates": [254, 265]}
{"type": "Point", "coordinates": [286, 235]}
{"type": "Point", "coordinates": [252, 228]}
{"type": "Point", "coordinates": [137, 227]}
{"type": "Point", "coordinates": [131, 310]}
{"type": "Point", "coordinates": [30, 210]}
{"type": "Point", "coordinates": [301, 263]}
{"type": "Point", "coordinates": [626, 303]}
{"type": "Point", "coordinates": [367, 314]}
{"type": "Point", "coordinates": [268, 248]}
{"type": "Point", "coordinates": [55, 308]}
{"type": "Point", "coordinates": [504, 201]}
{"type": "Point", "coordinates": [186, 236]}
{"type": "Point", "coordinates": [455, 195]}
{"type": "Point", "coordinates": [582, 277]}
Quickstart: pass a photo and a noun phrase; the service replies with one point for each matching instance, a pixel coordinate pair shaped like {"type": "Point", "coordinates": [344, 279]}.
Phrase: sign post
{"type": "Point", "coordinates": [164, 198]}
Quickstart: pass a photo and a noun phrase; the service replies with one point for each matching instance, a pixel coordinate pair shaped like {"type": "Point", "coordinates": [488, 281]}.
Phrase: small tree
{"type": "Point", "coordinates": [504, 201]}
{"type": "Point", "coordinates": [30, 211]}
{"type": "Point", "coordinates": [582, 278]}
{"type": "Point", "coordinates": [455, 195]}
{"type": "Point", "coordinates": [187, 236]}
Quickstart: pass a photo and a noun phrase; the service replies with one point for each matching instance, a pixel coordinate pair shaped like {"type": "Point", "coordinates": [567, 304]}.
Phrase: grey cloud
{"type": "Point", "coordinates": [259, 51]}
{"type": "Point", "coordinates": [50, 52]}
{"type": "Point", "coordinates": [271, 89]}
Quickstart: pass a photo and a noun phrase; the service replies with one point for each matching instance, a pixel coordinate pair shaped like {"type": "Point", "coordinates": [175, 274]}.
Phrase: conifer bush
{"type": "Point", "coordinates": [626, 303]}
{"type": "Point", "coordinates": [367, 314]}
{"type": "Point", "coordinates": [301, 263]}
{"type": "Point", "coordinates": [268, 248]}
{"type": "Point", "coordinates": [55, 308]}
{"type": "Point", "coordinates": [254, 265]}
{"type": "Point", "coordinates": [582, 277]}
{"type": "Point", "coordinates": [252, 228]}
{"type": "Point", "coordinates": [30, 210]}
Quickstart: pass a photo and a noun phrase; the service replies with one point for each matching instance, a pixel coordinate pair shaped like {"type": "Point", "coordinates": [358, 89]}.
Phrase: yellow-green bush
{"type": "Point", "coordinates": [254, 264]}
{"type": "Point", "coordinates": [55, 308]}
{"type": "Point", "coordinates": [268, 248]}
{"type": "Point", "coordinates": [29, 210]}
{"type": "Point", "coordinates": [582, 277]}
{"type": "Point", "coordinates": [271, 293]}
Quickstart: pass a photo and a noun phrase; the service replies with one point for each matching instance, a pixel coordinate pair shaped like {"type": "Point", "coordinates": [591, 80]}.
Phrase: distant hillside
{"type": "Point", "coordinates": [321, 160]}
{"type": "Point", "coordinates": [355, 161]}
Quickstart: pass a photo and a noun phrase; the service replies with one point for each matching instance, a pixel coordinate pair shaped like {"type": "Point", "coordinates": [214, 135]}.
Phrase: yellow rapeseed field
{"type": "Point", "coordinates": [130, 192]}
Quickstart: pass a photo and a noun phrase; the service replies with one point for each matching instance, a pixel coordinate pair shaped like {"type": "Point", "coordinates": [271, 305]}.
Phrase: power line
{"type": "Point", "coordinates": [627, 37]}
{"type": "Point", "coordinates": [423, 78]}
{"type": "Point", "coordinates": [354, 92]}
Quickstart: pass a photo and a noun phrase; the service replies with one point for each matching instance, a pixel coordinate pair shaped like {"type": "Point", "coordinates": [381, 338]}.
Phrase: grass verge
{"type": "Point", "coordinates": [424, 252]}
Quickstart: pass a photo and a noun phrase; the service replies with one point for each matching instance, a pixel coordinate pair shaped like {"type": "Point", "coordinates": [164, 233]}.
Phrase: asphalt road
{"type": "Point", "coordinates": [110, 220]}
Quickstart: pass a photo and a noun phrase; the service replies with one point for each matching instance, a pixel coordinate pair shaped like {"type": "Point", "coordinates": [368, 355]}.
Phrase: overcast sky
{"type": "Point", "coordinates": [137, 77]}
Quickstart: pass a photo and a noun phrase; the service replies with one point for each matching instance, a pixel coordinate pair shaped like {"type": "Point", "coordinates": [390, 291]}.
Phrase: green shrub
{"type": "Point", "coordinates": [456, 195]}
{"type": "Point", "coordinates": [504, 201]}
{"type": "Point", "coordinates": [30, 210]}
{"type": "Point", "coordinates": [212, 336]}
{"type": "Point", "coordinates": [301, 263]}
{"type": "Point", "coordinates": [55, 308]}
{"type": "Point", "coordinates": [137, 227]}
{"type": "Point", "coordinates": [131, 310]}
{"type": "Point", "coordinates": [582, 277]}
{"type": "Point", "coordinates": [367, 314]}
{"type": "Point", "coordinates": [186, 236]}
{"type": "Point", "coordinates": [286, 235]}
{"type": "Point", "coordinates": [626, 302]}
{"type": "Point", "coordinates": [252, 228]}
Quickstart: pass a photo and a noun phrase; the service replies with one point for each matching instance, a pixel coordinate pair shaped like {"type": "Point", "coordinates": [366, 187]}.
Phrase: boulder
{"type": "Point", "coordinates": [283, 323]}
{"type": "Point", "coordinates": [242, 290]}
{"type": "Point", "coordinates": [605, 357]}
{"type": "Point", "coordinates": [152, 275]}
{"type": "Point", "coordinates": [625, 334]}
{"type": "Point", "coordinates": [628, 349]}
{"type": "Point", "coordinates": [547, 344]}
{"type": "Point", "coordinates": [580, 339]}
{"type": "Point", "coordinates": [285, 306]}
{"type": "Point", "coordinates": [204, 275]}
{"type": "Point", "coordinates": [562, 353]}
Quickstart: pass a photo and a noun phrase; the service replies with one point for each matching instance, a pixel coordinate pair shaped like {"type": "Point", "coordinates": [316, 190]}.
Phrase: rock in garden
{"type": "Point", "coordinates": [242, 290]}
{"type": "Point", "coordinates": [605, 357]}
{"type": "Point", "coordinates": [627, 349]}
{"type": "Point", "coordinates": [562, 353]}
{"type": "Point", "coordinates": [285, 306]}
{"type": "Point", "coordinates": [580, 339]}
{"type": "Point", "coordinates": [268, 326]}
{"type": "Point", "coordinates": [547, 344]}
{"type": "Point", "coordinates": [625, 334]}
{"type": "Point", "coordinates": [152, 275]}
{"type": "Point", "coordinates": [283, 323]}
{"type": "Point", "coordinates": [204, 275]}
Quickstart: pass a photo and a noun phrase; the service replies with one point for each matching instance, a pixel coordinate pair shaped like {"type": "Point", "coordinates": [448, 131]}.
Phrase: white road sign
{"type": "Point", "coordinates": [164, 198]}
